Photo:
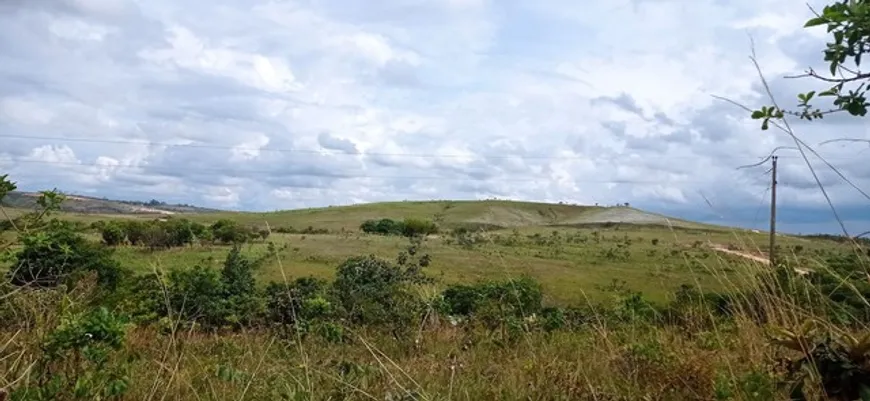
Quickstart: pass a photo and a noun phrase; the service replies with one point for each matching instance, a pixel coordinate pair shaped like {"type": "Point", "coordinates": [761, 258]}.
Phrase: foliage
{"type": "Point", "coordinates": [77, 362]}
{"type": "Point", "coordinates": [839, 290]}
{"type": "Point", "coordinates": [240, 293]}
{"type": "Point", "coordinates": [113, 234]}
{"type": "Point", "coordinates": [848, 24]}
{"type": "Point", "coordinates": [230, 232]}
{"type": "Point", "coordinates": [841, 362]}
{"type": "Point", "coordinates": [216, 298]}
{"type": "Point", "coordinates": [47, 257]}
{"type": "Point", "coordinates": [370, 290]}
{"type": "Point", "coordinates": [418, 227]}
{"type": "Point", "coordinates": [505, 305]}
{"type": "Point", "coordinates": [409, 227]}
{"type": "Point", "coordinates": [300, 301]}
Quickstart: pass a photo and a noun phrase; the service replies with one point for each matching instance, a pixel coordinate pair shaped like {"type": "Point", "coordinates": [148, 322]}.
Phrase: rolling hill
{"type": "Point", "coordinates": [91, 205]}
{"type": "Point", "coordinates": [486, 214]}
{"type": "Point", "coordinates": [472, 214]}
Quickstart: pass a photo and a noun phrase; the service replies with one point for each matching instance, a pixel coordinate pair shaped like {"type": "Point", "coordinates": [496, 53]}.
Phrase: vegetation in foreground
{"type": "Point", "coordinates": [82, 325]}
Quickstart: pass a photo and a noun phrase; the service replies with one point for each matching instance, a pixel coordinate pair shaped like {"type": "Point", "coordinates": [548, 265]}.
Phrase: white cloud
{"type": "Point", "coordinates": [297, 103]}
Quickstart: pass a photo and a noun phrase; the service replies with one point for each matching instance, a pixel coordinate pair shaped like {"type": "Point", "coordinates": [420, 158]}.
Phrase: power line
{"type": "Point", "coordinates": [238, 172]}
{"type": "Point", "coordinates": [321, 152]}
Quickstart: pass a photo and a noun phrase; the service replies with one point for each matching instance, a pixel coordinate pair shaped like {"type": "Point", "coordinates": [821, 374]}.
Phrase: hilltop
{"type": "Point", "coordinates": [472, 214]}
{"type": "Point", "coordinates": [92, 205]}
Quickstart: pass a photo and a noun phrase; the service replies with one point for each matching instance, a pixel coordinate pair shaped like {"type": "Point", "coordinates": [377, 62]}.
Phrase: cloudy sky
{"type": "Point", "coordinates": [264, 105]}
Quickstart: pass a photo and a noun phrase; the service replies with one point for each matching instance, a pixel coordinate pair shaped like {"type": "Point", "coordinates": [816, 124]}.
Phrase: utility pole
{"type": "Point", "coordinates": [772, 212]}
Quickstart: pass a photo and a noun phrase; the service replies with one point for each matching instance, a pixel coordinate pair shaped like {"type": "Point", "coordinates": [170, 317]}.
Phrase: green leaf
{"type": "Point", "coordinates": [815, 22]}
{"type": "Point", "coordinates": [864, 392]}
{"type": "Point", "coordinates": [834, 67]}
{"type": "Point", "coordinates": [757, 114]}
{"type": "Point", "coordinates": [810, 95]}
{"type": "Point", "coordinates": [764, 125]}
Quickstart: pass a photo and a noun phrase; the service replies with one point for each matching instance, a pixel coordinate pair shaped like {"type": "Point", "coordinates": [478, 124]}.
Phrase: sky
{"type": "Point", "coordinates": [269, 105]}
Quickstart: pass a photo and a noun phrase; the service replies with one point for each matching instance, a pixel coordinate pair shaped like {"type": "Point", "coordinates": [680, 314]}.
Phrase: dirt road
{"type": "Point", "coordinates": [756, 258]}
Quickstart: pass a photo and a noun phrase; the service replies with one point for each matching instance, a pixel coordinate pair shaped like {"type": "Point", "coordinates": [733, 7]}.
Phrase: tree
{"type": "Point", "coordinates": [848, 24]}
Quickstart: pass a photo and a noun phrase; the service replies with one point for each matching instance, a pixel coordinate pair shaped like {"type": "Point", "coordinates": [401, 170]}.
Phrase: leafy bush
{"type": "Point", "coordinates": [383, 227]}
{"type": "Point", "coordinates": [48, 257]}
{"type": "Point", "coordinates": [216, 298]}
{"type": "Point", "coordinates": [229, 231]}
{"type": "Point", "coordinates": [496, 303]}
{"type": "Point", "coordinates": [301, 303]}
{"type": "Point", "coordinates": [418, 227]}
{"type": "Point", "coordinates": [410, 227]}
{"type": "Point", "coordinates": [373, 291]}
{"type": "Point", "coordinates": [78, 362]}
{"type": "Point", "coordinates": [197, 294]}
{"type": "Point", "coordinates": [113, 234]}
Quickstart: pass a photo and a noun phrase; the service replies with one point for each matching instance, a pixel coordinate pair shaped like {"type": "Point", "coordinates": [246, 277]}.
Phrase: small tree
{"type": "Point", "coordinates": [113, 234]}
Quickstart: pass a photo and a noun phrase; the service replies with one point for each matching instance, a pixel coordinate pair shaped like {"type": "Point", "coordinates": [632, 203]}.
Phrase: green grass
{"type": "Point", "coordinates": [570, 271]}
{"type": "Point", "coordinates": [604, 359]}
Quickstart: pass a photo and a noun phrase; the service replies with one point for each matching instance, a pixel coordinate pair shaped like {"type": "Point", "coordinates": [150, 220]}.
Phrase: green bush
{"type": "Point", "coordinates": [298, 303]}
{"type": "Point", "coordinates": [518, 297]}
{"type": "Point", "coordinates": [48, 257]}
{"type": "Point", "coordinates": [373, 291]}
{"type": "Point", "coordinates": [418, 227]}
{"type": "Point", "coordinates": [80, 361]}
{"type": "Point", "coordinates": [197, 294]}
{"type": "Point", "coordinates": [383, 227]}
{"type": "Point", "coordinates": [217, 298]}
{"type": "Point", "coordinates": [230, 232]}
{"type": "Point", "coordinates": [113, 234]}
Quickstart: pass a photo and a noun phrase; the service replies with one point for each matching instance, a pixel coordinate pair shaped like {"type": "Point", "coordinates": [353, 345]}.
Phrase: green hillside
{"type": "Point", "coordinates": [486, 214]}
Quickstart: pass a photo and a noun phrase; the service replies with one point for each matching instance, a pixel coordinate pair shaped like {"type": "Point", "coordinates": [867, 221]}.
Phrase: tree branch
{"type": "Point", "coordinates": [858, 76]}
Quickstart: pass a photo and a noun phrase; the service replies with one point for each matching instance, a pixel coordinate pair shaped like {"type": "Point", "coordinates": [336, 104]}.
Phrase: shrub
{"type": "Point", "coordinates": [215, 298]}
{"type": "Point", "coordinates": [299, 302]}
{"type": "Point", "coordinates": [78, 361]}
{"type": "Point", "coordinates": [383, 227]}
{"type": "Point", "coordinates": [418, 227]}
{"type": "Point", "coordinates": [142, 298]}
{"type": "Point", "coordinates": [197, 294]}
{"type": "Point", "coordinates": [369, 226]}
{"type": "Point", "coordinates": [49, 257]}
{"type": "Point", "coordinates": [113, 234]}
{"type": "Point", "coordinates": [286, 230]}
{"type": "Point", "coordinates": [373, 291]}
{"type": "Point", "coordinates": [239, 287]}
{"type": "Point", "coordinates": [516, 298]}
{"type": "Point", "coordinates": [229, 231]}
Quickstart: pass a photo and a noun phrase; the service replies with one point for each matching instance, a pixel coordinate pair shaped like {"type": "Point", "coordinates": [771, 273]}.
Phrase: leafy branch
{"type": "Point", "coordinates": [848, 22]}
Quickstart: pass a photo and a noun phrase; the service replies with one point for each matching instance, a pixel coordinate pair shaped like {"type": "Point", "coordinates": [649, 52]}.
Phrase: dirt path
{"type": "Point", "coordinates": [756, 258]}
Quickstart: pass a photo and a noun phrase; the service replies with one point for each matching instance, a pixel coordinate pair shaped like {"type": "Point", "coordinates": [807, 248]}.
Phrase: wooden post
{"type": "Point", "coordinates": [771, 255]}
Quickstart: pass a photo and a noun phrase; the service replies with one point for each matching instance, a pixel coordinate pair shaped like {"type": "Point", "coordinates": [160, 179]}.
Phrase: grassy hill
{"type": "Point", "coordinates": [486, 214]}
{"type": "Point", "coordinates": [90, 205]}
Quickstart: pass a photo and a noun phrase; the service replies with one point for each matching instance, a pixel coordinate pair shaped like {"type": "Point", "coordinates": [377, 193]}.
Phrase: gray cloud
{"type": "Point", "coordinates": [328, 141]}
{"type": "Point", "coordinates": [412, 100]}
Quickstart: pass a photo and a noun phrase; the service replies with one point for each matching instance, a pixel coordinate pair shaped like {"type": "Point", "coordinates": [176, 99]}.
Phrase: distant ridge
{"type": "Point", "coordinates": [92, 205]}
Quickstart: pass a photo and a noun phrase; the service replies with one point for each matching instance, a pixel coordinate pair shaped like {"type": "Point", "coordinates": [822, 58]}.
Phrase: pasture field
{"type": "Point", "coordinates": [522, 301]}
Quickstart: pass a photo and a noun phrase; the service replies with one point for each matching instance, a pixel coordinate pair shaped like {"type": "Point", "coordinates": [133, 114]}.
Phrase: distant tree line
{"type": "Point", "coordinates": [409, 227]}
{"type": "Point", "coordinates": [171, 233]}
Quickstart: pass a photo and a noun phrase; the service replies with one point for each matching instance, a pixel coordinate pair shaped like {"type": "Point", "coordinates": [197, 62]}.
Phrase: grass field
{"type": "Point", "coordinates": [562, 246]}
{"type": "Point", "coordinates": [579, 255]}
